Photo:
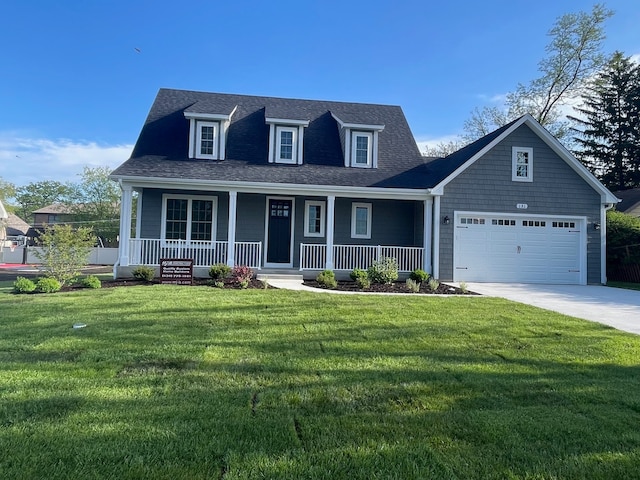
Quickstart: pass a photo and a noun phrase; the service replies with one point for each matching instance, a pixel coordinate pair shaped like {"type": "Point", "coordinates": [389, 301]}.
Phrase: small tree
{"type": "Point", "coordinates": [65, 251]}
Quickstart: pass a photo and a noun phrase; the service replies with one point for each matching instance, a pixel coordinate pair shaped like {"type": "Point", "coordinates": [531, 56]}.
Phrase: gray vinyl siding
{"type": "Point", "coordinates": [250, 217]}
{"type": "Point", "coordinates": [486, 186]}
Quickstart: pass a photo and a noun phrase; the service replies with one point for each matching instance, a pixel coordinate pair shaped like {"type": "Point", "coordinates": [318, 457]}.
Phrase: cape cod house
{"type": "Point", "coordinates": [277, 183]}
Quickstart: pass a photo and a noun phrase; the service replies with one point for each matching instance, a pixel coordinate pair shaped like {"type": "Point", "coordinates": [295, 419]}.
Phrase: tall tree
{"type": "Point", "coordinates": [573, 55]}
{"type": "Point", "coordinates": [608, 125]}
{"type": "Point", "coordinates": [40, 194]}
{"type": "Point", "coordinates": [95, 202]}
{"type": "Point", "coordinates": [7, 192]}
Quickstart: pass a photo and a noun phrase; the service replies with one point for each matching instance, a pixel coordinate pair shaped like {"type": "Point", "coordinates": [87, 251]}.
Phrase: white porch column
{"type": "Point", "coordinates": [231, 235]}
{"type": "Point", "coordinates": [436, 238]}
{"type": "Point", "coordinates": [427, 220]}
{"type": "Point", "coordinates": [331, 205]}
{"type": "Point", "coordinates": [126, 204]}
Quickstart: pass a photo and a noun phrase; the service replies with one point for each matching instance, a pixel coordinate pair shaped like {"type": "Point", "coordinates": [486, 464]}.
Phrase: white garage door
{"type": "Point", "coordinates": [518, 248]}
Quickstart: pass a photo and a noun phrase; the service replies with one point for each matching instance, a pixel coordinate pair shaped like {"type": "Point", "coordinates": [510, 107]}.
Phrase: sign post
{"type": "Point", "coordinates": [176, 271]}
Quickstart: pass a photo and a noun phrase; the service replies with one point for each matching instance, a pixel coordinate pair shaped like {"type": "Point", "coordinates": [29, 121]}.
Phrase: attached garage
{"type": "Point", "coordinates": [501, 247]}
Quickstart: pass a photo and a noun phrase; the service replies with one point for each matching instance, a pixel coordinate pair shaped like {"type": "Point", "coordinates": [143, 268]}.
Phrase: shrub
{"type": "Point", "coordinates": [464, 287]}
{"type": "Point", "coordinates": [433, 284]}
{"type": "Point", "coordinates": [23, 285]}
{"type": "Point", "coordinates": [363, 282]}
{"type": "Point", "coordinates": [144, 273]}
{"type": "Point", "coordinates": [419, 275]}
{"type": "Point", "coordinates": [218, 284]}
{"type": "Point", "coordinates": [219, 271]}
{"type": "Point", "coordinates": [357, 273]}
{"type": "Point", "coordinates": [242, 274]}
{"type": "Point", "coordinates": [384, 270]}
{"type": "Point", "coordinates": [65, 251]}
{"type": "Point", "coordinates": [623, 231]}
{"type": "Point", "coordinates": [413, 286]}
{"type": "Point", "coordinates": [48, 285]}
{"type": "Point", "coordinates": [90, 281]}
{"type": "Point", "coordinates": [327, 278]}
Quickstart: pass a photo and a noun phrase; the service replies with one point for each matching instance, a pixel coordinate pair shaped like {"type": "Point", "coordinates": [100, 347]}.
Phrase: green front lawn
{"type": "Point", "coordinates": [627, 285]}
{"type": "Point", "coordinates": [195, 382]}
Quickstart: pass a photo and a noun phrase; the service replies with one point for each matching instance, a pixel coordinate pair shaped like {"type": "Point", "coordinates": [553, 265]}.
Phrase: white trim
{"type": "Point", "coordinates": [347, 147]}
{"type": "Point", "coordinates": [427, 228]}
{"type": "Point", "coordinates": [369, 136]}
{"type": "Point", "coordinates": [125, 224]}
{"type": "Point", "coordinates": [272, 142]}
{"type": "Point", "coordinates": [582, 220]}
{"type": "Point", "coordinates": [189, 198]}
{"type": "Point", "coordinates": [277, 188]}
{"type": "Point", "coordinates": [552, 142]}
{"type": "Point", "coordinates": [286, 121]}
{"type": "Point", "coordinates": [514, 164]}
{"type": "Point", "coordinates": [358, 126]}
{"type": "Point", "coordinates": [139, 214]}
{"type": "Point", "coordinates": [436, 238]}
{"type": "Point", "coordinates": [216, 140]}
{"type": "Point", "coordinates": [331, 207]}
{"type": "Point", "coordinates": [209, 116]}
{"type": "Point", "coordinates": [354, 207]}
{"type": "Point", "coordinates": [231, 231]}
{"type": "Point", "coordinates": [300, 144]}
{"type": "Point", "coordinates": [192, 138]}
{"type": "Point", "coordinates": [314, 203]}
{"type": "Point", "coordinates": [603, 242]}
{"type": "Point", "coordinates": [280, 129]}
{"type": "Point", "coordinates": [266, 232]}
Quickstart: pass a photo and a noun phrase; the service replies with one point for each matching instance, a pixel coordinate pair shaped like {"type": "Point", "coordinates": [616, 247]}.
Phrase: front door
{"type": "Point", "coordinates": [279, 231]}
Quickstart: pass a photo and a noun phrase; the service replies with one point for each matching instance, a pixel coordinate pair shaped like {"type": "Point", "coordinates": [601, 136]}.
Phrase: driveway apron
{"type": "Point", "coordinates": [615, 307]}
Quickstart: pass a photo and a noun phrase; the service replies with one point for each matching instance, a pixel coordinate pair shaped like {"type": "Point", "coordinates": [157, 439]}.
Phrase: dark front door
{"type": "Point", "coordinates": [279, 235]}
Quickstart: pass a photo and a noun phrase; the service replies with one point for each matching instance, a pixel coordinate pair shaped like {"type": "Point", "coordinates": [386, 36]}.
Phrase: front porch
{"type": "Point", "coordinates": [313, 257]}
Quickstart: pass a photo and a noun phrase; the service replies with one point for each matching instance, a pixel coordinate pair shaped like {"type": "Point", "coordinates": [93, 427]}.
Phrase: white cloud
{"type": "Point", "coordinates": [498, 98]}
{"type": "Point", "coordinates": [24, 159]}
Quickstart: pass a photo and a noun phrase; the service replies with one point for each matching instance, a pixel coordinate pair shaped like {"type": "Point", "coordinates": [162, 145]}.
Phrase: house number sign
{"type": "Point", "coordinates": [176, 271]}
{"type": "Point", "coordinates": [522, 206]}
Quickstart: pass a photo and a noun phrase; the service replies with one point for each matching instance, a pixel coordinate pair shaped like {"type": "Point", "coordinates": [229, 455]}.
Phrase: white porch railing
{"type": "Point", "coordinates": [348, 257]}
{"type": "Point", "coordinates": [149, 251]}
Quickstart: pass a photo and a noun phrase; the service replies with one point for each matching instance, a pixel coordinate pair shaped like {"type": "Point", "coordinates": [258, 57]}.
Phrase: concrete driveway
{"type": "Point", "coordinates": [615, 307]}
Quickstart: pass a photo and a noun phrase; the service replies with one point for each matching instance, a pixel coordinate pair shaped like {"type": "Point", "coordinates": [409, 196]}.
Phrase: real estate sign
{"type": "Point", "coordinates": [176, 271]}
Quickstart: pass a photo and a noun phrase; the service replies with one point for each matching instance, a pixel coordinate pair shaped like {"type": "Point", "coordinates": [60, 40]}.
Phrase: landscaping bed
{"type": "Point", "coordinates": [395, 287]}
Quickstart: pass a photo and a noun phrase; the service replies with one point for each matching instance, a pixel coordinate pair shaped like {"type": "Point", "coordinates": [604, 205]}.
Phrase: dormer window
{"type": "Point", "coordinates": [361, 154]}
{"type": "Point", "coordinates": [286, 138]}
{"type": "Point", "coordinates": [360, 143]}
{"type": "Point", "coordinates": [207, 140]}
{"type": "Point", "coordinates": [207, 134]}
{"type": "Point", "coordinates": [286, 148]}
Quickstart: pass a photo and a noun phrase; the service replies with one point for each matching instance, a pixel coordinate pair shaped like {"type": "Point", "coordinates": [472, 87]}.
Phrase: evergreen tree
{"type": "Point", "coordinates": [608, 127]}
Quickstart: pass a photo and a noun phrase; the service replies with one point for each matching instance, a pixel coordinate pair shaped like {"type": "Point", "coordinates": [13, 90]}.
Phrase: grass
{"type": "Point", "coordinates": [193, 382]}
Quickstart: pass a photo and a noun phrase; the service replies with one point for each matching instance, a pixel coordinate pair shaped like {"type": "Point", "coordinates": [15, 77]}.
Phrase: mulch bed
{"type": "Point", "coordinates": [396, 287]}
{"type": "Point", "coordinates": [132, 282]}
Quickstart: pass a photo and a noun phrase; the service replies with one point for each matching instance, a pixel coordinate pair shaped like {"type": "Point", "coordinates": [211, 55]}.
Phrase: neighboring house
{"type": "Point", "coordinates": [630, 201]}
{"type": "Point", "coordinates": [52, 214]}
{"type": "Point", "coordinates": [17, 229]}
{"type": "Point", "coordinates": [309, 185]}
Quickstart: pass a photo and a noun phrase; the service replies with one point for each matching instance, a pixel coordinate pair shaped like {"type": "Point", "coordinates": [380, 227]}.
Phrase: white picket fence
{"type": "Point", "coordinates": [98, 256]}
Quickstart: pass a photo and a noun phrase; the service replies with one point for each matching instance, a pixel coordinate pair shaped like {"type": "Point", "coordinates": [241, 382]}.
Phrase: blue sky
{"type": "Point", "coordinates": [78, 77]}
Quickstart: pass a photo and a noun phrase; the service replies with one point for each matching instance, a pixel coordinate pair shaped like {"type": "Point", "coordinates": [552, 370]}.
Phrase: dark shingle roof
{"type": "Point", "coordinates": [630, 201]}
{"type": "Point", "coordinates": [162, 147]}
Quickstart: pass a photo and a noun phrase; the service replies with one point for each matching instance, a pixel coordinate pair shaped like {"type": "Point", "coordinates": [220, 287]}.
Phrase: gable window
{"type": "Point", "coordinates": [361, 220]}
{"type": "Point", "coordinates": [189, 218]}
{"type": "Point", "coordinates": [361, 149]}
{"type": "Point", "coordinates": [522, 164]}
{"type": "Point", "coordinates": [286, 147]}
{"type": "Point", "coordinates": [207, 140]}
{"type": "Point", "coordinates": [314, 218]}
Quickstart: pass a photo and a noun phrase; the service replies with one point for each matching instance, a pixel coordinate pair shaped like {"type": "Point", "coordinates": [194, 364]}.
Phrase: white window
{"type": "Point", "coordinates": [189, 218]}
{"type": "Point", "coordinates": [522, 164]}
{"type": "Point", "coordinates": [314, 218]}
{"type": "Point", "coordinates": [286, 145]}
{"type": "Point", "coordinates": [361, 149]}
{"type": "Point", "coordinates": [207, 140]}
{"type": "Point", "coordinates": [361, 220]}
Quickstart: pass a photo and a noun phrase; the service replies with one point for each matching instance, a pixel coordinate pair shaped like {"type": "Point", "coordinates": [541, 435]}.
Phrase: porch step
{"type": "Point", "coordinates": [280, 276]}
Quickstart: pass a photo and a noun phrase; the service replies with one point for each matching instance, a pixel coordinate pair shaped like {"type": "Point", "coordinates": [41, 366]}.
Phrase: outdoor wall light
{"type": "Point", "coordinates": [446, 220]}
{"type": "Point", "coordinates": [596, 226]}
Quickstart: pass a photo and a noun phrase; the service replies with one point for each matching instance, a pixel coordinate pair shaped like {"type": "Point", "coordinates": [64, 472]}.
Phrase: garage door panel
{"type": "Point", "coordinates": [528, 250]}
